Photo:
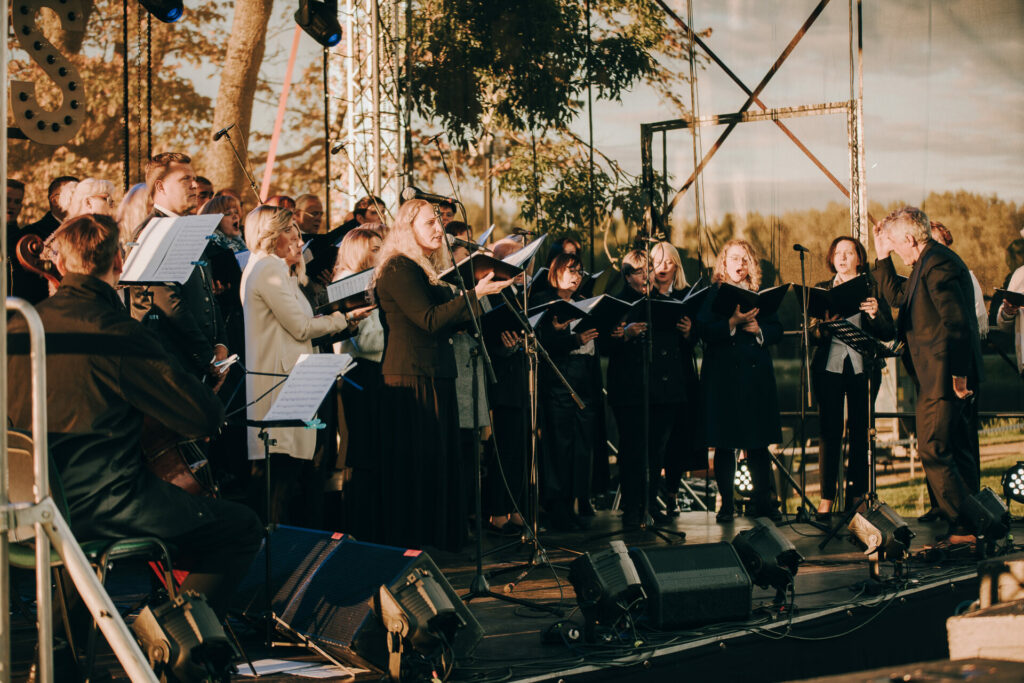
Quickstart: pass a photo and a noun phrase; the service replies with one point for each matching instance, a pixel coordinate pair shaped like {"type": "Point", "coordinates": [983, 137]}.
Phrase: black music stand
{"type": "Point", "coordinates": [871, 350]}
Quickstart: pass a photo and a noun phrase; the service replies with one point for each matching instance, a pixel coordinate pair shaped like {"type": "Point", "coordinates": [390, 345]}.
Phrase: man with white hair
{"type": "Point", "coordinates": [937, 321]}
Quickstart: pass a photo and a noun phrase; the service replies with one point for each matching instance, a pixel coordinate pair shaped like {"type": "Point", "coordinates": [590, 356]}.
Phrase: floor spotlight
{"type": "Point", "coordinates": [743, 482]}
{"type": "Point", "coordinates": [988, 515]}
{"type": "Point", "coordinates": [880, 530]}
{"type": "Point", "coordinates": [607, 586]}
{"type": "Point", "coordinates": [769, 557]}
{"type": "Point", "coordinates": [421, 611]}
{"type": "Point", "coordinates": [320, 21]}
{"type": "Point", "coordinates": [167, 11]}
{"type": "Point", "coordinates": [1013, 483]}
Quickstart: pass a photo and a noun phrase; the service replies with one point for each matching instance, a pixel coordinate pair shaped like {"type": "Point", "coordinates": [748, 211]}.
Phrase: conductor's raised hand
{"type": "Point", "coordinates": [882, 244]}
{"type": "Point", "coordinates": [486, 285]}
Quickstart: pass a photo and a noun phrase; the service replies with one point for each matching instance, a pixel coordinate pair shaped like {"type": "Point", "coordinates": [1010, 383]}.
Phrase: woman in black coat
{"type": "Point", "coordinates": [422, 479]}
{"type": "Point", "coordinates": [568, 432]}
{"type": "Point", "coordinates": [838, 374]}
{"type": "Point", "coordinates": [739, 382]}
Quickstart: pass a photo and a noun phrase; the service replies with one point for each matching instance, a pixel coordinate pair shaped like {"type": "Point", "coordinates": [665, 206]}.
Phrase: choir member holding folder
{"type": "Point", "coordinates": [667, 387]}
{"type": "Point", "coordinates": [568, 431]}
{"type": "Point", "coordinates": [280, 327]}
{"type": "Point", "coordinates": [358, 253]}
{"type": "Point", "coordinates": [421, 483]}
{"type": "Point", "coordinates": [738, 378]}
{"type": "Point", "coordinates": [838, 373]}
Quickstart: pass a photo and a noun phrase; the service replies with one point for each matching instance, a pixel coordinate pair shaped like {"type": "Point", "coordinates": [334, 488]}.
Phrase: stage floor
{"type": "Point", "coordinates": [837, 626]}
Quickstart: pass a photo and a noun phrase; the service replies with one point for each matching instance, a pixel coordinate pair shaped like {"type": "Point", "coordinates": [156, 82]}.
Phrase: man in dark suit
{"type": "Point", "coordinates": [105, 372]}
{"type": "Point", "coordinates": [186, 318]}
{"type": "Point", "coordinates": [51, 220]}
{"type": "Point", "coordinates": [936, 318]}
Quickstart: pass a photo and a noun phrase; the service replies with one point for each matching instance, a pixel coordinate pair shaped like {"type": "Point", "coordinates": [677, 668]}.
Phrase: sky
{"type": "Point", "coordinates": [943, 102]}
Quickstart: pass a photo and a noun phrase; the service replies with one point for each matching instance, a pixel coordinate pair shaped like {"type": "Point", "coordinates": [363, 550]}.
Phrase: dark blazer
{"type": "Point", "coordinates": [936, 319]}
{"type": "Point", "coordinates": [738, 380]}
{"type": "Point", "coordinates": [881, 327]}
{"type": "Point", "coordinates": [186, 318]}
{"type": "Point", "coordinates": [105, 371]}
{"type": "Point", "coordinates": [418, 320]}
{"type": "Point", "coordinates": [44, 227]}
{"type": "Point", "coordinates": [672, 373]}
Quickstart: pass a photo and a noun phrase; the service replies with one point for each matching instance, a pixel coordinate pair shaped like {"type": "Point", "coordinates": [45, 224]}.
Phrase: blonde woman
{"type": "Point", "coordinates": [279, 327]}
{"type": "Point", "coordinates": [422, 480]}
{"type": "Point", "coordinates": [359, 251]}
{"type": "Point", "coordinates": [133, 208]}
{"type": "Point", "coordinates": [739, 382]}
{"type": "Point", "coordinates": [92, 195]}
{"type": "Point", "coordinates": [668, 272]}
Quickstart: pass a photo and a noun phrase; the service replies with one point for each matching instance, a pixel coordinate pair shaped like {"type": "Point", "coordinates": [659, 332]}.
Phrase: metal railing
{"type": "Point", "coordinates": [51, 529]}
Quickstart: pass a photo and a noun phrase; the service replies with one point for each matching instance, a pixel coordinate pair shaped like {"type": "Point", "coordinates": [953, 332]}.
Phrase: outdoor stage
{"type": "Point", "coordinates": [836, 626]}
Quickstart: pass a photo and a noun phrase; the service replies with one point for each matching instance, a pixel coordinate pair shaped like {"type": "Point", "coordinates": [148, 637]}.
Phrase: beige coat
{"type": "Point", "coordinates": [279, 327]}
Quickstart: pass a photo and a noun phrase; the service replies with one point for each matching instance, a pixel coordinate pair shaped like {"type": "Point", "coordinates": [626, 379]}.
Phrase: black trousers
{"type": "Point", "coordinates": [296, 491]}
{"type": "Point", "coordinates": [760, 464]}
{"type": "Point", "coordinates": [833, 390]}
{"type": "Point", "coordinates": [506, 460]}
{"type": "Point", "coordinates": [630, 420]}
{"type": "Point", "coordinates": [947, 441]}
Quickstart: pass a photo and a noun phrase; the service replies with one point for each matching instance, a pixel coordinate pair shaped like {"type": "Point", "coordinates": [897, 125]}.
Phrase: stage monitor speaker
{"type": "Point", "coordinates": [690, 585]}
{"type": "Point", "coordinates": [327, 585]}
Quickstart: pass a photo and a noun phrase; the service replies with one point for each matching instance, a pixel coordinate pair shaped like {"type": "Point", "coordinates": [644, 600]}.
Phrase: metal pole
{"type": "Point", "coordinates": [590, 146]}
{"type": "Point", "coordinates": [862, 198]}
{"type": "Point", "coordinates": [327, 142]}
{"type": "Point", "coordinates": [489, 185]}
{"type": "Point", "coordinates": [5, 597]}
{"type": "Point", "coordinates": [375, 84]}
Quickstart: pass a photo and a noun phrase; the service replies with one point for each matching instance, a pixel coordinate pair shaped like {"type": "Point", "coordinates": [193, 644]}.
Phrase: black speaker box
{"type": "Point", "coordinates": [326, 585]}
{"type": "Point", "coordinates": [690, 585]}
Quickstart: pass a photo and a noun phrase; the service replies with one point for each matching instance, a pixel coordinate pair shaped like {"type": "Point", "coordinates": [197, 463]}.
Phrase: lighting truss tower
{"type": "Point", "coordinates": [368, 75]}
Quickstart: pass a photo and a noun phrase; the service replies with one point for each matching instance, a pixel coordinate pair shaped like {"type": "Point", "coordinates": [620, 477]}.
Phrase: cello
{"type": "Point", "coordinates": [170, 456]}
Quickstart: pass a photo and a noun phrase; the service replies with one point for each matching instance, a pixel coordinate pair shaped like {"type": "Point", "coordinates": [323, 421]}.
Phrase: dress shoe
{"type": "Point", "coordinates": [671, 506]}
{"type": "Point", "coordinates": [507, 530]}
{"type": "Point", "coordinates": [725, 516]}
{"type": "Point", "coordinates": [933, 515]}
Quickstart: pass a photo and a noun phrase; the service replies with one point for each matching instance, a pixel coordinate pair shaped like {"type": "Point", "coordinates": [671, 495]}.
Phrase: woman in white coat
{"type": "Point", "coordinates": [279, 327]}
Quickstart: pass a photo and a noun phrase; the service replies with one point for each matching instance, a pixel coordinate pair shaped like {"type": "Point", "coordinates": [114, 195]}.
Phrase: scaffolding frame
{"type": "Point", "coordinates": [853, 108]}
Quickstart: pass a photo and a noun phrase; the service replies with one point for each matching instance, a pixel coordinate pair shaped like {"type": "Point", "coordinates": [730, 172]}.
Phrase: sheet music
{"type": "Point", "coordinates": [346, 287]}
{"type": "Point", "coordinates": [525, 254]}
{"type": "Point", "coordinates": [534, 319]}
{"type": "Point", "coordinates": [486, 236]}
{"type": "Point", "coordinates": [307, 253]}
{"type": "Point", "coordinates": [588, 304]}
{"type": "Point", "coordinates": [307, 384]}
{"type": "Point", "coordinates": [168, 248]}
{"type": "Point", "coordinates": [243, 258]}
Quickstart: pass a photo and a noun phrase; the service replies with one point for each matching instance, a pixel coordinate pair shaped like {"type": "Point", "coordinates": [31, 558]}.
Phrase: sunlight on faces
{"type": "Point", "coordinates": [427, 229]}
{"type": "Point", "coordinates": [309, 215]}
{"type": "Point", "coordinates": [204, 193]}
{"type": "Point", "coordinates": [229, 224]}
{"type": "Point", "coordinates": [289, 247]}
{"type": "Point", "coordinates": [178, 191]}
{"type": "Point", "coordinates": [569, 279]}
{"type": "Point", "coordinates": [664, 268]}
{"type": "Point", "coordinates": [737, 264]}
{"type": "Point", "coordinates": [371, 215]}
{"type": "Point", "coordinates": [15, 196]}
{"type": "Point", "coordinates": [447, 214]}
{"type": "Point", "coordinates": [846, 260]}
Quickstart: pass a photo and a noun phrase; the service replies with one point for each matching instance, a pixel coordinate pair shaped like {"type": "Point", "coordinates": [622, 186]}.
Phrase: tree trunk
{"type": "Point", "coordinates": [236, 92]}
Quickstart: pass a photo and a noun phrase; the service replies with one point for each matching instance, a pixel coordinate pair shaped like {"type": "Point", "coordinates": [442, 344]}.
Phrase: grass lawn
{"type": "Point", "coordinates": [910, 498]}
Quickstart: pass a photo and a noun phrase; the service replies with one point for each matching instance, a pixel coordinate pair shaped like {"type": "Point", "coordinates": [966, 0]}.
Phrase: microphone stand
{"type": "Point", "coordinates": [803, 516]}
{"type": "Point", "coordinates": [248, 176]}
{"type": "Point", "coordinates": [362, 183]}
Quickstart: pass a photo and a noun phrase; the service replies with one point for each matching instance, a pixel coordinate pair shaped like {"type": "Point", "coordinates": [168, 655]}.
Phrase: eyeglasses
{"type": "Point", "coordinates": [104, 197]}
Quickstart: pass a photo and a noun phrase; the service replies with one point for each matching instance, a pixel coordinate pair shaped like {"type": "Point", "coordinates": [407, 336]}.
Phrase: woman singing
{"type": "Point", "coordinates": [568, 431]}
{"type": "Point", "coordinates": [739, 382]}
{"type": "Point", "coordinates": [279, 327]}
{"type": "Point", "coordinates": [422, 483]}
{"type": "Point", "coordinates": [838, 374]}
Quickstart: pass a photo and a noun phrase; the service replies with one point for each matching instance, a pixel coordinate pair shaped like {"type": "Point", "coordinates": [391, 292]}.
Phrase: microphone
{"type": "Point", "coordinates": [801, 248]}
{"type": "Point", "coordinates": [338, 146]}
{"type": "Point", "coordinates": [411, 192]}
{"type": "Point", "coordinates": [471, 246]}
{"type": "Point", "coordinates": [433, 138]}
{"type": "Point", "coordinates": [222, 132]}
{"type": "Point", "coordinates": [523, 231]}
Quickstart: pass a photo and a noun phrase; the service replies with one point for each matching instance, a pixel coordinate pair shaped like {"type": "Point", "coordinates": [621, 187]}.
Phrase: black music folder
{"type": "Point", "coordinates": [561, 310]}
{"type": "Point", "coordinates": [693, 298]}
{"type": "Point", "coordinates": [665, 313]}
{"type": "Point", "coordinates": [1015, 298]}
{"type": "Point", "coordinates": [477, 266]}
{"type": "Point", "coordinates": [731, 296]}
{"type": "Point", "coordinates": [843, 300]}
{"type": "Point", "coordinates": [602, 313]}
{"type": "Point", "coordinates": [320, 256]}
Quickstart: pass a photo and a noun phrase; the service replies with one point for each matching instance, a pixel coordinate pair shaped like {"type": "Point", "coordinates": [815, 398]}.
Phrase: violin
{"type": "Point", "coordinates": [29, 252]}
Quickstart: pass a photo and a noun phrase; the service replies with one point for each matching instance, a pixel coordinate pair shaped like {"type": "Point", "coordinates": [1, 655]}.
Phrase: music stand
{"type": "Point", "coordinates": [871, 349]}
{"type": "Point", "coordinates": [305, 388]}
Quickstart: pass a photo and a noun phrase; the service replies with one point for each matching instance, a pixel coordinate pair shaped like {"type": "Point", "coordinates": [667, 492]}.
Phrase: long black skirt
{"type": "Point", "coordinates": [422, 474]}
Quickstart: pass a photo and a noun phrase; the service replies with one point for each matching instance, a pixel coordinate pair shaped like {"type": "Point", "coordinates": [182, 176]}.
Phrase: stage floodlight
{"type": "Point", "coordinates": [769, 557]}
{"type": "Point", "coordinates": [987, 514]}
{"type": "Point", "coordinates": [184, 640]}
{"type": "Point", "coordinates": [1013, 483]}
{"type": "Point", "coordinates": [167, 11]}
{"type": "Point", "coordinates": [743, 482]}
{"type": "Point", "coordinates": [421, 611]}
{"type": "Point", "coordinates": [880, 529]}
{"type": "Point", "coordinates": [320, 21]}
{"type": "Point", "coordinates": [607, 584]}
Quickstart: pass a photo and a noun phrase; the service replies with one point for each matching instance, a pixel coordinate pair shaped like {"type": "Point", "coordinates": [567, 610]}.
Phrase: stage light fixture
{"type": "Point", "coordinates": [607, 585]}
{"type": "Point", "coordinates": [879, 529]}
{"type": "Point", "coordinates": [743, 482]}
{"type": "Point", "coordinates": [1013, 483]}
{"type": "Point", "coordinates": [987, 514]}
{"type": "Point", "coordinates": [167, 11]}
{"type": "Point", "coordinates": [320, 21]}
{"type": "Point", "coordinates": [184, 640]}
{"type": "Point", "coordinates": [421, 611]}
{"type": "Point", "coordinates": [769, 557]}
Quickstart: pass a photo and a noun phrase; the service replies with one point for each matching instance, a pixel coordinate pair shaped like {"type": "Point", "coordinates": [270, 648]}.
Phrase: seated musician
{"type": "Point", "coordinates": [105, 372]}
